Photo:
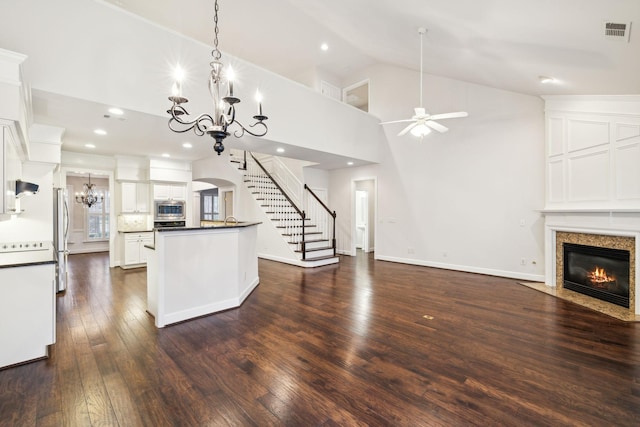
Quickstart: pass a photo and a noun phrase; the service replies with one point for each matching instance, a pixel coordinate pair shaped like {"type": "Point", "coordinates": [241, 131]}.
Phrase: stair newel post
{"type": "Point", "coordinates": [334, 233]}
{"type": "Point", "coordinates": [304, 244]}
{"type": "Point", "coordinates": [244, 162]}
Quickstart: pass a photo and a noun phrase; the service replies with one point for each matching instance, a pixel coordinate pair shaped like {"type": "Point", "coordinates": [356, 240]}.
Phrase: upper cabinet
{"type": "Point", "coordinates": [135, 197]}
{"type": "Point", "coordinates": [169, 192]}
{"type": "Point", "coordinates": [15, 117]}
{"type": "Point", "coordinates": [11, 169]}
{"type": "Point", "coordinates": [15, 100]}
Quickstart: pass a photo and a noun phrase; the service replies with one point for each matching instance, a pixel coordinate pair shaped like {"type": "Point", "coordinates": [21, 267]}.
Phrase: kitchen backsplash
{"type": "Point", "coordinates": [134, 222]}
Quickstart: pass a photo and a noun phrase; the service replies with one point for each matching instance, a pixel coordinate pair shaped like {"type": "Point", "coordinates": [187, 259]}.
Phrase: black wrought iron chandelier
{"type": "Point", "coordinates": [224, 114]}
{"type": "Point", "coordinates": [89, 195]}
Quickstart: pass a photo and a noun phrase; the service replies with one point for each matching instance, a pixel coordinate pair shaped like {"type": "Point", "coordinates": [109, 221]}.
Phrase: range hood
{"type": "Point", "coordinates": [24, 188]}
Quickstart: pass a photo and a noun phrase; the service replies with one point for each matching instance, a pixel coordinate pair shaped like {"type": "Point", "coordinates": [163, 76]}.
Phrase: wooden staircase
{"type": "Point", "coordinates": [313, 244]}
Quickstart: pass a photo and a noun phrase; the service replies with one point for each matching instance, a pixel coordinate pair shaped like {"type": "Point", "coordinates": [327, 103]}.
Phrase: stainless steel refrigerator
{"type": "Point", "coordinates": [60, 235]}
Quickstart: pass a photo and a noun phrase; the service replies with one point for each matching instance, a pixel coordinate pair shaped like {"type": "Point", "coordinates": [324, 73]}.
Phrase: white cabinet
{"type": "Point", "coordinates": [135, 197]}
{"type": "Point", "coordinates": [169, 192]}
{"type": "Point", "coordinates": [134, 252]}
{"type": "Point", "coordinates": [10, 171]}
{"type": "Point", "coordinates": [27, 312]}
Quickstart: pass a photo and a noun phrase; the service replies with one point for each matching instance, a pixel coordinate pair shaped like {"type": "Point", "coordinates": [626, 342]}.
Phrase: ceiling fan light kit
{"type": "Point", "coordinates": [422, 122]}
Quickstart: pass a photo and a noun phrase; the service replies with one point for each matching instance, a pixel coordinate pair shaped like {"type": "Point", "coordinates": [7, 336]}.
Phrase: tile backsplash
{"type": "Point", "coordinates": [134, 222]}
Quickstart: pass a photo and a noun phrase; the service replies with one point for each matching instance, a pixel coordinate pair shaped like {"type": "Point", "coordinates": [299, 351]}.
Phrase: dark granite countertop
{"type": "Point", "coordinates": [215, 225]}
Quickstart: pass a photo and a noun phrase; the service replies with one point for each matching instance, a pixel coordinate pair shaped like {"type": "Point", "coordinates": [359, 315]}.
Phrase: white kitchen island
{"type": "Point", "coordinates": [193, 272]}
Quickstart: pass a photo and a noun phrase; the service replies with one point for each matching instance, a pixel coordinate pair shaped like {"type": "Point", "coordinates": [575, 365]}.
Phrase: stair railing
{"type": "Point", "coordinates": [322, 215]}
{"type": "Point", "coordinates": [288, 218]}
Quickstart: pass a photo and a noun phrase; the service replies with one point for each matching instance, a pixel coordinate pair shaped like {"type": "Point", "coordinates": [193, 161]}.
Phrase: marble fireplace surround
{"type": "Point", "coordinates": [613, 229]}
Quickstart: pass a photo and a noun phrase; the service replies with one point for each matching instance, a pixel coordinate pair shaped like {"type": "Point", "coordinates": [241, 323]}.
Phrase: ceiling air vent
{"type": "Point", "coordinates": [617, 30]}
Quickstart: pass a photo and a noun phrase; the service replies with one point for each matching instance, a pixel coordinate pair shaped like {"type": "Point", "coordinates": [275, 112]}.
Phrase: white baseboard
{"type": "Point", "coordinates": [87, 251]}
{"type": "Point", "coordinates": [467, 269]}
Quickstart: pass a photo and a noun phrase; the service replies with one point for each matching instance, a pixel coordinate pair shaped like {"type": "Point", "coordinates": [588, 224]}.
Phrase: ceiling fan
{"type": "Point", "coordinates": [422, 122]}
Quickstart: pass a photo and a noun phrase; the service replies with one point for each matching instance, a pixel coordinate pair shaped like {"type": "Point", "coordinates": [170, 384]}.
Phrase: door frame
{"type": "Point", "coordinates": [113, 225]}
{"type": "Point", "coordinates": [374, 221]}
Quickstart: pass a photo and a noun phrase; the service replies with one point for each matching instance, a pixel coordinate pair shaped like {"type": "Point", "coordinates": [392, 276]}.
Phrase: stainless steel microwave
{"type": "Point", "coordinates": [169, 210]}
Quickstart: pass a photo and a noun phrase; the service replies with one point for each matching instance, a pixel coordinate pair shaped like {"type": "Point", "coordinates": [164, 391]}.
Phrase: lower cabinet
{"type": "Point", "coordinates": [27, 312]}
{"type": "Point", "coordinates": [134, 253]}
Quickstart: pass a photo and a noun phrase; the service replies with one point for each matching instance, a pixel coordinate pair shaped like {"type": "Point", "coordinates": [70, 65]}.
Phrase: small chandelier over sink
{"type": "Point", "coordinates": [224, 114]}
{"type": "Point", "coordinates": [89, 195]}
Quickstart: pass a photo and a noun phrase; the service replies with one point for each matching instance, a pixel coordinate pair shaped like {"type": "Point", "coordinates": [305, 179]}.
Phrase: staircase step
{"type": "Point", "coordinates": [306, 233]}
{"type": "Point", "coordinates": [310, 241]}
{"type": "Point", "coordinates": [320, 258]}
{"type": "Point", "coordinates": [324, 248]}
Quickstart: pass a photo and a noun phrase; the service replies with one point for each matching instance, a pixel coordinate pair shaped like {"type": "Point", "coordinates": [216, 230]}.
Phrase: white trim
{"type": "Point", "coordinates": [356, 85]}
{"type": "Point", "coordinates": [113, 232]}
{"type": "Point", "coordinates": [352, 248]}
{"type": "Point", "coordinates": [300, 263]}
{"type": "Point", "coordinates": [207, 309]}
{"type": "Point", "coordinates": [466, 269]}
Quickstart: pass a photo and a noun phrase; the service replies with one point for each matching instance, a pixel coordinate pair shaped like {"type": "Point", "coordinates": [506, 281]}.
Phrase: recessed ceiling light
{"type": "Point", "coordinates": [166, 155]}
{"type": "Point", "coordinates": [350, 163]}
{"type": "Point", "coordinates": [90, 145]}
{"type": "Point", "coordinates": [187, 145]}
{"type": "Point", "coordinates": [116, 111]}
{"type": "Point", "coordinates": [324, 47]}
{"type": "Point", "coordinates": [280, 150]}
{"type": "Point", "coordinates": [100, 132]}
{"type": "Point", "coordinates": [546, 79]}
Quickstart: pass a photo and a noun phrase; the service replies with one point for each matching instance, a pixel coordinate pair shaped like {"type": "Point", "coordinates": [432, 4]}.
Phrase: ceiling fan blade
{"type": "Point", "coordinates": [449, 115]}
{"type": "Point", "coordinates": [396, 121]}
{"type": "Point", "coordinates": [408, 128]}
{"type": "Point", "coordinates": [436, 126]}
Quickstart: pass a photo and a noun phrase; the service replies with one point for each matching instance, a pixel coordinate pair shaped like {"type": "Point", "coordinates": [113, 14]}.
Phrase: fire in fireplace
{"type": "Point", "coordinates": [601, 273]}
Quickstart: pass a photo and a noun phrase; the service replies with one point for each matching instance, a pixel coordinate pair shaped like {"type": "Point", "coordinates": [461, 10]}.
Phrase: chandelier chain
{"type": "Point", "coordinates": [216, 52]}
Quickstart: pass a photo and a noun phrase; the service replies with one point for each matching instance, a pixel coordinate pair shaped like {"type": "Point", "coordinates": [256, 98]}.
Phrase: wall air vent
{"type": "Point", "coordinates": [617, 30]}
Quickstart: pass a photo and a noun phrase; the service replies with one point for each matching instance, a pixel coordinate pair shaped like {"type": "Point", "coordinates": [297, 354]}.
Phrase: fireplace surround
{"type": "Point", "coordinates": [600, 238]}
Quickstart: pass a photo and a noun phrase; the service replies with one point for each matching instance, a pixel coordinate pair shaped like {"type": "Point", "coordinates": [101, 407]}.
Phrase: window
{"type": "Point", "coordinates": [209, 209]}
{"type": "Point", "coordinates": [97, 217]}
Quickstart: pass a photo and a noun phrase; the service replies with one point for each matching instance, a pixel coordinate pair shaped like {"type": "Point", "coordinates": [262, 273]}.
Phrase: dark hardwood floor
{"type": "Point", "coordinates": [362, 343]}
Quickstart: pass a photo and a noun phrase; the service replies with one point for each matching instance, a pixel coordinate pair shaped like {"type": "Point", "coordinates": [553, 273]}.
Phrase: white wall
{"type": "Point", "coordinates": [218, 170]}
{"type": "Point", "coordinates": [593, 152]}
{"type": "Point", "coordinates": [137, 75]}
{"type": "Point", "coordinates": [455, 200]}
{"type": "Point", "coordinates": [36, 222]}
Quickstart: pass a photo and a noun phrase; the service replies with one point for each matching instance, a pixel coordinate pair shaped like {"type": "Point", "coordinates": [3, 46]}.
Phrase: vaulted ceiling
{"type": "Point", "coordinates": [505, 44]}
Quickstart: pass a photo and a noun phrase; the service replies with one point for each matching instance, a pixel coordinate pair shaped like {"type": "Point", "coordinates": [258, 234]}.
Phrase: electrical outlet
{"type": "Point", "coordinates": [523, 261]}
{"type": "Point", "coordinates": [444, 254]}
{"type": "Point", "coordinates": [410, 250]}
